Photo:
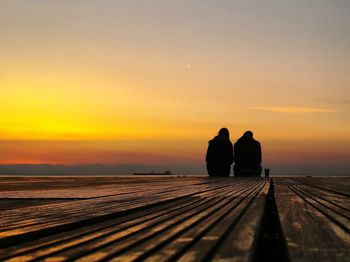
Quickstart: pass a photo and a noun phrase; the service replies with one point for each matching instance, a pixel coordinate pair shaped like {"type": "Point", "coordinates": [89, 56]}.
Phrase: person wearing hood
{"type": "Point", "coordinates": [247, 156]}
{"type": "Point", "coordinates": [219, 156]}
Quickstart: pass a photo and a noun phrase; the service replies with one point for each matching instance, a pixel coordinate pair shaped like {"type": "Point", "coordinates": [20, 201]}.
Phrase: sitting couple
{"type": "Point", "coordinates": [246, 154]}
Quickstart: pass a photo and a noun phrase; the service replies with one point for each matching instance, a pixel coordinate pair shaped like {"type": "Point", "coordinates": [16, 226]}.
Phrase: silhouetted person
{"type": "Point", "coordinates": [247, 156]}
{"type": "Point", "coordinates": [219, 156]}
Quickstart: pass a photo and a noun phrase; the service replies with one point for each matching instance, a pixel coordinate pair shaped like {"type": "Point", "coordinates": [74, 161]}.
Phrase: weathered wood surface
{"type": "Point", "coordinates": [169, 218]}
{"type": "Point", "coordinates": [315, 217]}
{"type": "Point", "coordinates": [124, 218]}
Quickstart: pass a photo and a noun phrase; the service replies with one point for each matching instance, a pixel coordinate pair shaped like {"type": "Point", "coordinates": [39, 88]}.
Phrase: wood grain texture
{"type": "Point", "coordinates": [314, 218]}
{"type": "Point", "coordinates": [169, 218]}
{"type": "Point", "coordinates": [126, 218]}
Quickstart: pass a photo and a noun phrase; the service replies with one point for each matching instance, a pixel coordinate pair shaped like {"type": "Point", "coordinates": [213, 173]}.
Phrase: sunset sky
{"type": "Point", "coordinates": [151, 82]}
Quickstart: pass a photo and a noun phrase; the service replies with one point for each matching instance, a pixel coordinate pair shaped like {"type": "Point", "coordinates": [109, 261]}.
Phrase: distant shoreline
{"type": "Point", "coordinates": [173, 175]}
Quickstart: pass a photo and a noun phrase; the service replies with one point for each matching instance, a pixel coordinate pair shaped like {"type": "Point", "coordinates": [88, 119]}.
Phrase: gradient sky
{"type": "Point", "coordinates": [151, 82]}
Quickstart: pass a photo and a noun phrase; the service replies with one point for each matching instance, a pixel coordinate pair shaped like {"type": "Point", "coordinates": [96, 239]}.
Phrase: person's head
{"type": "Point", "coordinates": [248, 134]}
{"type": "Point", "coordinates": [224, 133]}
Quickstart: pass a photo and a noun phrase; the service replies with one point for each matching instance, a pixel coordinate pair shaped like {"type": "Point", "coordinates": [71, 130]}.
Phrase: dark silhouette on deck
{"type": "Point", "coordinates": [219, 156]}
{"type": "Point", "coordinates": [247, 156]}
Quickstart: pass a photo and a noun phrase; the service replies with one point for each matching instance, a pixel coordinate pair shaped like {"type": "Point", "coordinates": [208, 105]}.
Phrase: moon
{"type": "Point", "coordinates": [189, 66]}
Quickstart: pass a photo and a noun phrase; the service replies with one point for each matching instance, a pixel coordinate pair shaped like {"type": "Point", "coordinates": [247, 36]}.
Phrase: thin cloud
{"type": "Point", "coordinates": [293, 110]}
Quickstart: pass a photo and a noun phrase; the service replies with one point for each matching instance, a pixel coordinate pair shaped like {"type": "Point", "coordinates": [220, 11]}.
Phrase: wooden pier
{"type": "Point", "coordinates": [174, 219]}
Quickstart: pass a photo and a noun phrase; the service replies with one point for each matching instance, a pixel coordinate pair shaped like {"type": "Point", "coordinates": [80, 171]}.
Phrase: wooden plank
{"type": "Point", "coordinates": [328, 202]}
{"type": "Point", "coordinates": [169, 244]}
{"type": "Point", "coordinates": [18, 219]}
{"type": "Point", "coordinates": [8, 204]}
{"type": "Point", "coordinates": [159, 218]}
{"type": "Point", "coordinates": [337, 185]}
{"type": "Point", "coordinates": [68, 246]}
{"type": "Point", "coordinates": [310, 235]}
{"type": "Point", "coordinates": [117, 242]}
{"type": "Point", "coordinates": [331, 196]}
{"type": "Point", "coordinates": [59, 241]}
{"type": "Point", "coordinates": [203, 241]}
{"type": "Point", "coordinates": [93, 191]}
{"type": "Point", "coordinates": [63, 239]}
{"type": "Point", "coordinates": [218, 186]}
{"type": "Point", "coordinates": [239, 243]}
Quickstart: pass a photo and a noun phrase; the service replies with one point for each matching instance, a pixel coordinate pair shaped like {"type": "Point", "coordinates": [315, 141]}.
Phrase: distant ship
{"type": "Point", "coordinates": [166, 173]}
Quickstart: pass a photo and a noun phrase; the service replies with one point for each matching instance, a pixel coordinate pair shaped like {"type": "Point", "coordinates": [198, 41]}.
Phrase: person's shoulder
{"type": "Point", "coordinates": [212, 141]}
{"type": "Point", "coordinates": [238, 141]}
